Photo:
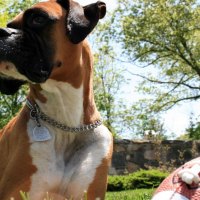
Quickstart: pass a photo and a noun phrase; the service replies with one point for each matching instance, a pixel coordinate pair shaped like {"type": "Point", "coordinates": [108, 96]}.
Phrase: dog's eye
{"type": "Point", "coordinates": [38, 20]}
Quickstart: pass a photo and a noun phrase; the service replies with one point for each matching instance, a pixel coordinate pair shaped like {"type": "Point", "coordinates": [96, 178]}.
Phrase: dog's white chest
{"type": "Point", "coordinates": [66, 164]}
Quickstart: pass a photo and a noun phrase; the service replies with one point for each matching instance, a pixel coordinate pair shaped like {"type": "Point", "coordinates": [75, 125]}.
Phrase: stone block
{"type": "Point", "coordinates": [119, 160]}
{"type": "Point", "coordinates": [119, 148]}
{"type": "Point", "coordinates": [150, 155]}
{"type": "Point", "coordinates": [131, 167]}
{"type": "Point", "coordinates": [112, 171]}
{"type": "Point", "coordinates": [133, 147]}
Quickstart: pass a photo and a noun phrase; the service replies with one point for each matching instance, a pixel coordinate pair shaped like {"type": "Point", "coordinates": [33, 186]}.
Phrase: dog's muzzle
{"type": "Point", "coordinates": [27, 51]}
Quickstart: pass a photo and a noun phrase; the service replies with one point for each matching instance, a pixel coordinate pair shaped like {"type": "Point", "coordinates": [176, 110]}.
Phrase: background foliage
{"type": "Point", "coordinates": [161, 38]}
{"type": "Point", "coordinates": [165, 35]}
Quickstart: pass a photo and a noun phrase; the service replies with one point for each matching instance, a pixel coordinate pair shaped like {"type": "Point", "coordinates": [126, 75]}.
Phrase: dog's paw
{"type": "Point", "coordinates": [190, 175]}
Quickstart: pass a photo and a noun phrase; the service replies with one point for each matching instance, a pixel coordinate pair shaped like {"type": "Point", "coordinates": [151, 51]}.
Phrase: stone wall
{"type": "Point", "coordinates": [129, 156]}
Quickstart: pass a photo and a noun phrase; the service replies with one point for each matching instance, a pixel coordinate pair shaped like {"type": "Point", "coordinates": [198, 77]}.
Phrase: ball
{"type": "Point", "coordinates": [182, 184]}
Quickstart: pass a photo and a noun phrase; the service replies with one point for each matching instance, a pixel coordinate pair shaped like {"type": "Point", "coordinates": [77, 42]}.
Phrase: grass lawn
{"type": "Point", "coordinates": [139, 194]}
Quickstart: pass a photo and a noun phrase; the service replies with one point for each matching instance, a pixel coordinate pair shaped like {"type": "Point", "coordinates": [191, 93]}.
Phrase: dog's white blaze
{"type": "Point", "coordinates": [64, 102]}
{"type": "Point", "coordinates": [67, 163]}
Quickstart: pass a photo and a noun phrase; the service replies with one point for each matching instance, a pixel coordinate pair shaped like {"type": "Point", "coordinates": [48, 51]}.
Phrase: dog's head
{"type": "Point", "coordinates": [42, 39]}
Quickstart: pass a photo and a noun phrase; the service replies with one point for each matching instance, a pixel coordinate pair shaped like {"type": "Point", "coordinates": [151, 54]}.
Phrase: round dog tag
{"type": "Point", "coordinates": [41, 134]}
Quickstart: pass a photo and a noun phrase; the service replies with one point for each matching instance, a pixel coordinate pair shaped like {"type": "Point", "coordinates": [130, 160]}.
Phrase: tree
{"type": "Point", "coordinates": [9, 9]}
{"type": "Point", "coordinates": [142, 122]}
{"type": "Point", "coordinates": [110, 72]}
{"type": "Point", "coordinates": [193, 131]}
{"type": "Point", "coordinates": [108, 78]}
{"type": "Point", "coordinates": [17, 6]}
{"type": "Point", "coordinates": [163, 38]}
{"type": "Point", "coordinates": [3, 14]}
{"type": "Point", "coordinates": [10, 105]}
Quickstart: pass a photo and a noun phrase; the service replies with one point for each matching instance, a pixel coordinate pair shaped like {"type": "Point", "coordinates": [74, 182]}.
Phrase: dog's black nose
{"type": "Point", "coordinates": [5, 32]}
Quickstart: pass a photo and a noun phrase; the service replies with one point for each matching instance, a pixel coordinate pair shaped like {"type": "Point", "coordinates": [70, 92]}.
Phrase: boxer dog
{"type": "Point", "coordinates": [57, 142]}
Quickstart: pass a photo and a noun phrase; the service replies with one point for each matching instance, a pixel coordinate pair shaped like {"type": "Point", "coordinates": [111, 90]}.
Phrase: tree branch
{"type": "Point", "coordinates": [179, 53]}
{"type": "Point", "coordinates": [194, 64]}
{"type": "Point", "coordinates": [177, 101]}
{"type": "Point", "coordinates": [180, 82]}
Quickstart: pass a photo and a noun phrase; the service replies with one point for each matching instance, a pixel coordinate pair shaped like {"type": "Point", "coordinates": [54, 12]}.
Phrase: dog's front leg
{"type": "Point", "coordinates": [97, 188]}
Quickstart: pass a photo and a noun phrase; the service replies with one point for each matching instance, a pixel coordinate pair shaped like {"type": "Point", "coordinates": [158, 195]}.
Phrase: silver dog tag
{"type": "Point", "coordinates": [41, 134]}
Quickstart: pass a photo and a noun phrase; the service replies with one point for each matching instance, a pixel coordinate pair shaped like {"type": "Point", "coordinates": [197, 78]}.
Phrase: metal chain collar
{"type": "Point", "coordinates": [36, 114]}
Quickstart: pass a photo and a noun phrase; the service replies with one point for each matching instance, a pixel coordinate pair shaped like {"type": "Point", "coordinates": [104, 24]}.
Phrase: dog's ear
{"type": "Point", "coordinates": [9, 87]}
{"type": "Point", "coordinates": [64, 4]}
{"type": "Point", "coordinates": [82, 20]}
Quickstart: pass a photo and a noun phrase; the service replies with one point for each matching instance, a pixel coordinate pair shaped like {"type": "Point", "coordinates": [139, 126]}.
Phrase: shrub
{"type": "Point", "coordinates": [140, 179]}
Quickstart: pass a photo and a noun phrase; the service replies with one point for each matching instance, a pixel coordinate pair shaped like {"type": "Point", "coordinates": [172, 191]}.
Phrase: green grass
{"type": "Point", "coordinates": [139, 194]}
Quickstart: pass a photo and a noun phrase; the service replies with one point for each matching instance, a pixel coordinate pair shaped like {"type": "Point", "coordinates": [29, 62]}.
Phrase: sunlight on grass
{"type": "Point", "coordinates": [25, 196]}
{"type": "Point", "coordinates": [138, 194]}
